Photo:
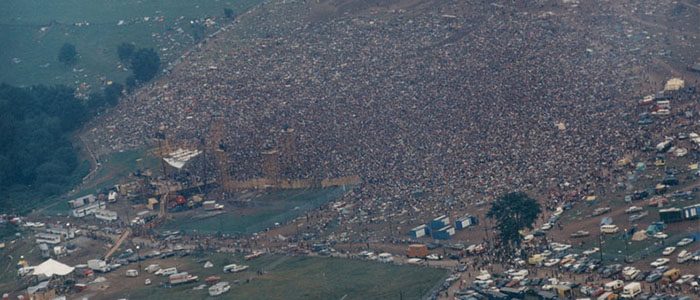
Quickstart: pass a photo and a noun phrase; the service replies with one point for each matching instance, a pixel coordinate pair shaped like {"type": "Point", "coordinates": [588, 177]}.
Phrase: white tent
{"type": "Point", "coordinates": [52, 267]}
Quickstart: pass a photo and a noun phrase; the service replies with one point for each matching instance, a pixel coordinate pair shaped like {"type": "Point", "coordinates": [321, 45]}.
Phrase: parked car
{"type": "Point", "coordinates": [633, 209]}
{"type": "Point", "coordinates": [660, 235]}
{"type": "Point", "coordinates": [668, 250]}
{"type": "Point", "coordinates": [660, 262]}
{"type": "Point", "coordinates": [653, 277]}
{"type": "Point", "coordinates": [685, 242]}
{"type": "Point", "coordinates": [591, 251]}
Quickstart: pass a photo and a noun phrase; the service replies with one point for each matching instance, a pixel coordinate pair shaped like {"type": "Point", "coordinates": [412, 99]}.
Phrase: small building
{"type": "Point", "coordinates": [88, 209]}
{"type": "Point", "coordinates": [466, 221]}
{"type": "Point", "coordinates": [419, 231]}
{"type": "Point", "coordinates": [63, 232]}
{"type": "Point", "coordinates": [48, 238]}
{"type": "Point", "coordinates": [106, 215]}
{"type": "Point", "coordinates": [44, 249]}
{"type": "Point", "coordinates": [440, 222]}
{"type": "Point", "coordinates": [691, 212]}
{"type": "Point", "coordinates": [59, 250]}
{"type": "Point", "coordinates": [84, 200]}
{"type": "Point", "coordinates": [112, 197]}
{"type": "Point", "coordinates": [444, 233]}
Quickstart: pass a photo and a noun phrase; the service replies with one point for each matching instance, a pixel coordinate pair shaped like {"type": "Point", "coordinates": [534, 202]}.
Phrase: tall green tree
{"type": "Point", "coordinates": [125, 51]}
{"type": "Point", "coordinates": [145, 64]}
{"type": "Point", "coordinates": [113, 92]}
{"type": "Point", "coordinates": [512, 213]}
{"type": "Point", "coordinates": [67, 54]}
{"type": "Point", "coordinates": [228, 13]}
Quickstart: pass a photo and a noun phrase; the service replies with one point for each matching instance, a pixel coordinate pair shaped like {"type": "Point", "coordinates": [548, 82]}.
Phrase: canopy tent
{"type": "Point", "coordinates": [52, 267]}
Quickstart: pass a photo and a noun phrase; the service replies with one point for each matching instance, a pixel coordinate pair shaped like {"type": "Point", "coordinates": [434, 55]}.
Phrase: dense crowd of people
{"type": "Point", "coordinates": [457, 102]}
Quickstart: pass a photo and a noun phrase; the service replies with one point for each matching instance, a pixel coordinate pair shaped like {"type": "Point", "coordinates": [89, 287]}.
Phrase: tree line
{"type": "Point", "coordinates": [37, 124]}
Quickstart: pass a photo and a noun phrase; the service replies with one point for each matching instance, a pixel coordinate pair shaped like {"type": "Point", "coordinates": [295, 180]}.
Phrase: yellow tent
{"type": "Point", "coordinates": [151, 203]}
{"type": "Point", "coordinates": [674, 84]}
{"type": "Point", "coordinates": [623, 162]}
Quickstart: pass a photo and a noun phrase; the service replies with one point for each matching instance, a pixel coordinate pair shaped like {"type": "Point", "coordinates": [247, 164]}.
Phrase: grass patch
{"type": "Point", "coordinates": [112, 170]}
{"type": "Point", "coordinates": [267, 209]}
{"type": "Point", "coordinates": [34, 30]}
{"type": "Point", "coordinates": [307, 278]}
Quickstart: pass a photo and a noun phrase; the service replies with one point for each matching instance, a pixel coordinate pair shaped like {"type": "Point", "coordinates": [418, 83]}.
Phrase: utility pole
{"type": "Point", "coordinates": [600, 246]}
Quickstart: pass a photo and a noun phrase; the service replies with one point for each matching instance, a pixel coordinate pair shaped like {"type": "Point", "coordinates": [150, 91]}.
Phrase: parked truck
{"type": "Point", "coordinates": [417, 250]}
{"type": "Point", "coordinates": [98, 265]}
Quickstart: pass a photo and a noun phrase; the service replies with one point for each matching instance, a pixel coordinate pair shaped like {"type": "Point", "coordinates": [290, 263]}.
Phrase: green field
{"type": "Point", "coordinates": [113, 168]}
{"type": "Point", "coordinates": [34, 30]}
{"type": "Point", "coordinates": [304, 278]}
{"type": "Point", "coordinates": [263, 212]}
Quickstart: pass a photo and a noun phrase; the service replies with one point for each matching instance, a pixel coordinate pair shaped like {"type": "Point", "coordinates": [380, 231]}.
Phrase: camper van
{"type": "Point", "coordinates": [613, 285]}
{"type": "Point", "coordinates": [671, 275]}
{"type": "Point", "coordinates": [609, 229]}
{"type": "Point", "coordinates": [631, 290]}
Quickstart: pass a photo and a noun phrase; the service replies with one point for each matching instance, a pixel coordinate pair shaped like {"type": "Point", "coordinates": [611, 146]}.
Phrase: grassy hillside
{"type": "Point", "coordinates": [34, 30]}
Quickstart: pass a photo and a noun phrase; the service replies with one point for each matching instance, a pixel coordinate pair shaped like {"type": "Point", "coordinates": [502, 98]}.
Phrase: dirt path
{"type": "Point", "coordinates": [119, 242]}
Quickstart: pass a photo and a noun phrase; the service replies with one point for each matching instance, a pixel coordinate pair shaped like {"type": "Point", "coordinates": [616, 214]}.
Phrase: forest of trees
{"type": "Point", "coordinates": [35, 148]}
{"type": "Point", "coordinates": [38, 157]}
{"type": "Point", "coordinates": [36, 152]}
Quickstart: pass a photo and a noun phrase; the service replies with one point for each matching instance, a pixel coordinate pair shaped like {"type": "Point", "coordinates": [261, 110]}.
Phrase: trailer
{"type": "Point", "coordinates": [670, 215]}
{"type": "Point", "coordinates": [444, 233]}
{"type": "Point", "coordinates": [440, 222]}
{"type": "Point", "coordinates": [691, 212]}
{"type": "Point", "coordinates": [466, 221]}
{"type": "Point", "coordinates": [419, 231]}
{"type": "Point", "coordinates": [181, 278]}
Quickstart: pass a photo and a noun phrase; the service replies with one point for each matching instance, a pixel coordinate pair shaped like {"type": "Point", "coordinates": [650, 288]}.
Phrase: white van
{"type": "Point", "coordinates": [385, 257]}
{"type": "Point", "coordinates": [609, 229]}
{"type": "Point", "coordinates": [631, 290]}
{"type": "Point", "coordinates": [613, 285]}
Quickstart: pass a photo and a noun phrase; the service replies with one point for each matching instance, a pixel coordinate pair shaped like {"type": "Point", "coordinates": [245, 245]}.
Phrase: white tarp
{"type": "Point", "coordinates": [180, 157]}
{"type": "Point", "coordinates": [52, 267]}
